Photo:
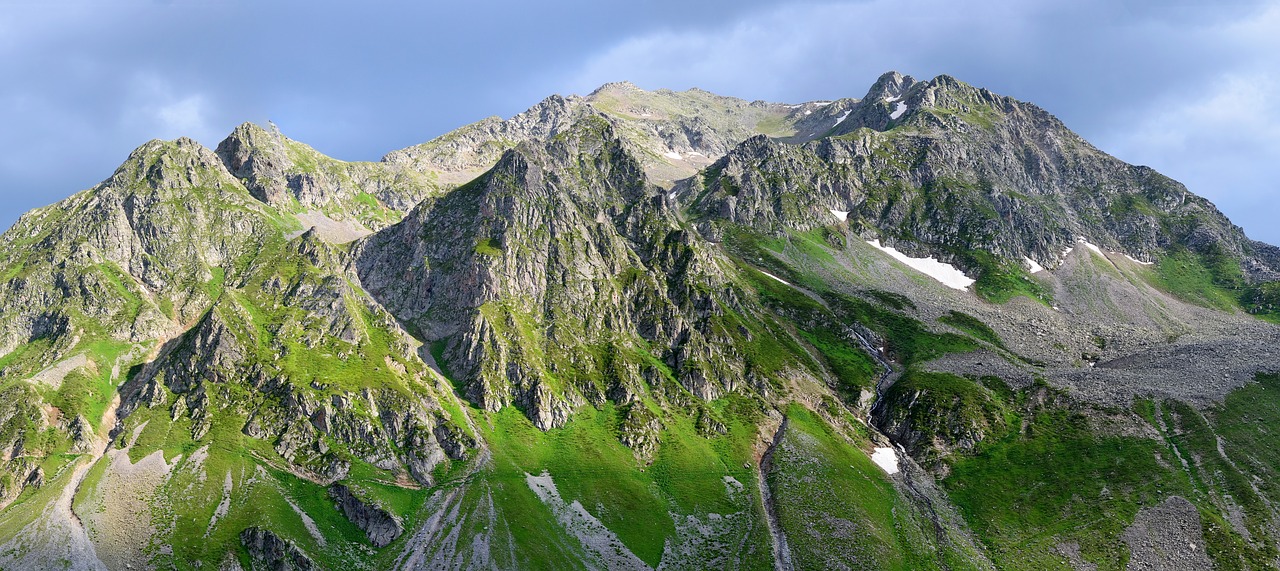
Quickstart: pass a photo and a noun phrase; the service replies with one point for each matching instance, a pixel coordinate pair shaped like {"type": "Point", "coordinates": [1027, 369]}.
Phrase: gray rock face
{"type": "Point", "coordinates": [671, 134]}
{"type": "Point", "coordinates": [132, 254]}
{"type": "Point", "coordinates": [272, 553]}
{"type": "Point", "coordinates": [18, 413]}
{"type": "Point", "coordinates": [221, 363]}
{"type": "Point", "coordinates": [564, 233]}
{"type": "Point", "coordinates": [962, 168]}
{"type": "Point", "coordinates": [932, 424]}
{"type": "Point", "coordinates": [292, 176]}
{"type": "Point", "coordinates": [379, 526]}
{"type": "Point", "coordinates": [307, 306]}
{"type": "Point", "coordinates": [560, 275]}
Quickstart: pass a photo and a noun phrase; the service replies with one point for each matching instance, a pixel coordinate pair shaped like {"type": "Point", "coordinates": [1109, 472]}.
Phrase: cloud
{"type": "Point", "coordinates": [775, 53]}
{"type": "Point", "coordinates": [183, 116]}
{"type": "Point", "coordinates": [1219, 133]}
{"type": "Point", "coordinates": [155, 106]}
{"type": "Point", "coordinates": [1219, 142]}
{"type": "Point", "coordinates": [1238, 115]}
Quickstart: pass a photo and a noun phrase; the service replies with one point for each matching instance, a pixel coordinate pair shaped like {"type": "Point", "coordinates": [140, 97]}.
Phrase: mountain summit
{"type": "Point", "coordinates": [927, 328]}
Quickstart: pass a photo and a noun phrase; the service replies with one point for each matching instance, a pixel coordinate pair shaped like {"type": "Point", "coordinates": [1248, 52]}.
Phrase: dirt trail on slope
{"type": "Point", "coordinates": [63, 508]}
{"type": "Point", "coordinates": [57, 538]}
{"type": "Point", "coordinates": [781, 552]}
{"type": "Point", "coordinates": [118, 512]}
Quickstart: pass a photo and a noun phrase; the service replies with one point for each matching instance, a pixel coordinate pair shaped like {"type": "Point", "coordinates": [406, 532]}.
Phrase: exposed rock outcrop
{"type": "Point", "coordinates": [294, 177]}
{"type": "Point", "coordinates": [270, 552]}
{"type": "Point", "coordinates": [378, 525]}
{"type": "Point", "coordinates": [568, 233]}
{"type": "Point", "coordinates": [963, 169]}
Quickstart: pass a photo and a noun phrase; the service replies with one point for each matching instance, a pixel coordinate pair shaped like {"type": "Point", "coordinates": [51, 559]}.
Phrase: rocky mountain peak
{"type": "Point", "coordinates": [298, 179]}
{"type": "Point", "coordinates": [250, 136]}
{"type": "Point", "coordinates": [543, 237]}
{"type": "Point", "coordinates": [549, 117]}
{"type": "Point", "coordinates": [616, 87]}
{"type": "Point", "coordinates": [259, 158]}
{"type": "Point", "coordinates": [169, 165]}
{"type": "Point", "coordinates": [890, 84]}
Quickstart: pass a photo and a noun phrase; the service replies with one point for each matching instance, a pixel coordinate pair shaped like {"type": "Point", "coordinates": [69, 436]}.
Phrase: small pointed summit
{"type": "Point", "coordinates": [257, 157]}
{"type": "Point", "coordinates": [249, 134]}
{"type": "Point", "coordinates": [275, 131]}
{"type": "Point", "coordinates": [891, 84]}
{"type": "Point", "coordinates": [616, 86]}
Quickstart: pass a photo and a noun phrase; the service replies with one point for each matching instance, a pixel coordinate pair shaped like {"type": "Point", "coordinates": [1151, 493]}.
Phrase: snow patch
{"type": "Point", "coordinates": [886, 459]}
{"type": "Point", "coordinates": [671, 195]}
{"type": "Point", "coordinates": [1035, 267]}
{"type": "Point", "coordinates": [1090, 246]}
{"type": "Point", "coordinates": [948, 274]}
{"type": "Point", "coordinates": [672, 155]}
{"type": "Point", "coordinates": [1137, 261]}
{"type": "Point", "coordinates": [841, 119]}
{"type": "Point", "coordinates": [775, 277]}
{"type": "Point", "coordinates": [808, 112]}
{"type": "Point", "coordinates": [841, 214]}
{"type": "Point", "coordinates": [902, 108]}
{"type": "Point", "coordinates": [890, 99]}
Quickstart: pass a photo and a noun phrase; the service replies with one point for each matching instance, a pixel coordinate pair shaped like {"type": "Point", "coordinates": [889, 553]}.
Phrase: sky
{"type": "Point", "coordinates": [1191, 89]}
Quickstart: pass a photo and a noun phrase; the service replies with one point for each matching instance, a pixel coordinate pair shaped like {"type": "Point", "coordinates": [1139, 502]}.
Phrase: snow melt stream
{"type": "Point", "coordinates": [948, 274]}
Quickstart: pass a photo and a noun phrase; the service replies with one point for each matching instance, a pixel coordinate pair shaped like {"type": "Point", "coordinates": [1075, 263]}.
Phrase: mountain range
{"type": "Point", "coordinates": [927, 328]}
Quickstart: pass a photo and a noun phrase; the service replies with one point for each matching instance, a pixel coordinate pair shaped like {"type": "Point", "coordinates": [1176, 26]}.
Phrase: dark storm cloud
{"type": "Point", "coordinates": [1188, 88]}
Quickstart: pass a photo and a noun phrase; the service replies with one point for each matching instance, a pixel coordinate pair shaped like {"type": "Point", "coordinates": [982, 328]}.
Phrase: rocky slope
{"type": "Point", "coordinates": [672, 134]}
{"type": "Point", "coordinates": [643, 330]}
{"type": "Point", "coordinates": [295, 178]}
{"type": "Point", "coordinates": [557, 278]}
{"type": "Point", "coordinates": [954, 169]}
